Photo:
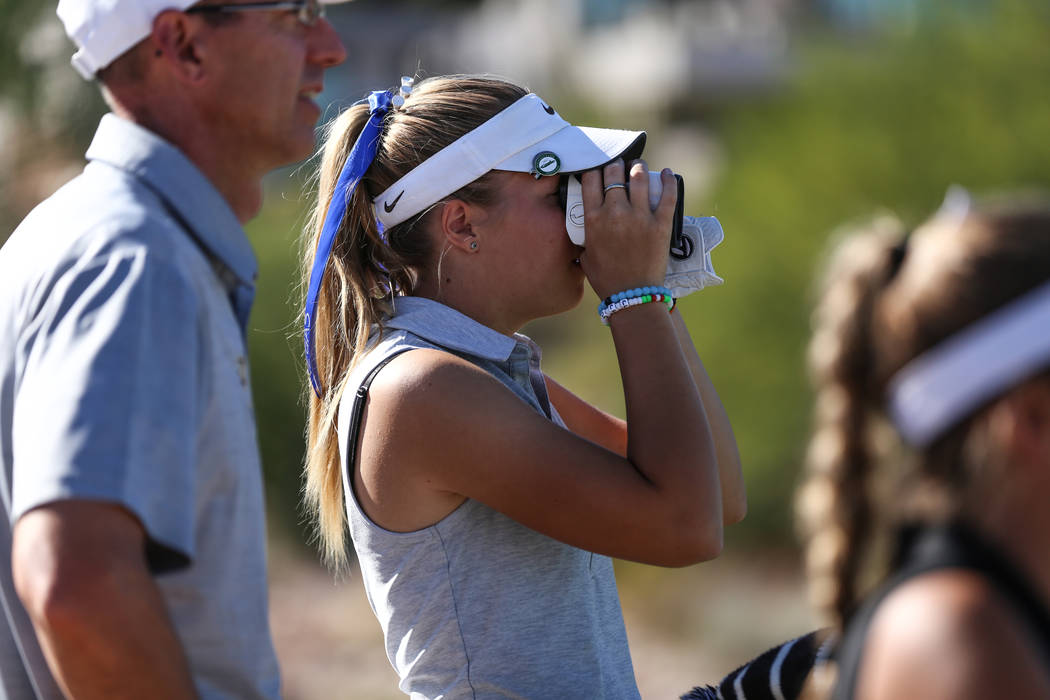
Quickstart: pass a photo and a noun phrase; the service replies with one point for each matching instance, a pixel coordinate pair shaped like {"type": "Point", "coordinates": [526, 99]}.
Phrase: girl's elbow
{"type": "Point", "coordinates": [696, 542]}
{"type": "Point", "coordinates": [734, 511]}
{"type": "Point", "coordinates": [708, 545]}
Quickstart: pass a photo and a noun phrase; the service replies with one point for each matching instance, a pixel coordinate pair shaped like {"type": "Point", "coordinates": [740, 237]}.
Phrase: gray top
{"type": "Point", "coordinates": [123, 379]}
{"type": "Point", "coordinates": [478, 605]}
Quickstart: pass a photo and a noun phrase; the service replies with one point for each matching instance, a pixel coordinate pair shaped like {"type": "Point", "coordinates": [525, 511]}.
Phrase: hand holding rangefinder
{"type": "Point", "coordinates": [689, 266]}
{"type": "Point", "coordinates": [571, 198]}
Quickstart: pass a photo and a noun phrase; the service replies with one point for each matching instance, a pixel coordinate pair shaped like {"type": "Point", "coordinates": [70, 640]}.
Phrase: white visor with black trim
{"type": "Point", "coordinates": [527, 137]}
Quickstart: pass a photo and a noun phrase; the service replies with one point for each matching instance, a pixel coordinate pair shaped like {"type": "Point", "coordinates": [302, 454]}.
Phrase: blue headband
{"type": "Point", "coordinates": [357, 163]}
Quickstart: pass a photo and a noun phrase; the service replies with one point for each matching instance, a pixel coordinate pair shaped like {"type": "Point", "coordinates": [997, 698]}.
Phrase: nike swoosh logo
{"type": "Point", "coordinates": [389, 206]}
{"type": "Point", "coordinates": [548, 109]}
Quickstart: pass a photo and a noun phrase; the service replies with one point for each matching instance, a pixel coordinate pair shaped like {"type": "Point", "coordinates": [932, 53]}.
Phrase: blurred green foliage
{"type": "Point", "coordinates": [47, 113]}
{"type": "Point", "coordinates": [278, 374]}
{"type": "Point", "coordinates": [17, 81]}
{"type": "Point", "coordinates": [886, 120]}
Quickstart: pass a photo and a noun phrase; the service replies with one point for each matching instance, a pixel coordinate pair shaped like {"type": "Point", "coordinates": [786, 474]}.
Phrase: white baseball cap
{"type": "Point", "coordinates": [103, 30]}
{"type": "Point", "coordinates": [526, 137]}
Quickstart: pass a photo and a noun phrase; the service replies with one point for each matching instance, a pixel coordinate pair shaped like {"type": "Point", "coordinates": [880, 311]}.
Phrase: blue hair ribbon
{"type": "Point", "coordinates": [357, 163]}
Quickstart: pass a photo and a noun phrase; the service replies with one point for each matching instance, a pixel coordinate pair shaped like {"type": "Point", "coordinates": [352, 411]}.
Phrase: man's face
{"type": "Point", "coordinates": [267, 68]}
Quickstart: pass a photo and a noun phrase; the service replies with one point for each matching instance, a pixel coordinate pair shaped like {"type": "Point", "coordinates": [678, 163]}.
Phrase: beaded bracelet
{"type": "Point", "coordinates": [634, 297]}
{"type": "Point", "coordinates": [637, 293]}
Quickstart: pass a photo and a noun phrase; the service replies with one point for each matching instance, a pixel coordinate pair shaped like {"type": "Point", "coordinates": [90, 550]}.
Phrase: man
{"type": "Point", "coordinates": [132, 558]}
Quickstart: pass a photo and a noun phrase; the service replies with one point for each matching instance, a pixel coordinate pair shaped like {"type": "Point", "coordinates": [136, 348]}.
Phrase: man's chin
{"type": "Point", "coordinates": [298, 149]}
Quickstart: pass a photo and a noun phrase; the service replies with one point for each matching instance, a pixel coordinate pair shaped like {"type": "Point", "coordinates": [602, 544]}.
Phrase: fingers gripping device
{"type": "Point", "coordinates": [689, 266]}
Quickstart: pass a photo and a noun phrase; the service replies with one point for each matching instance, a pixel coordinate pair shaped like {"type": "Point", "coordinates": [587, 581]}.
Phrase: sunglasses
{"type": "Point", "coordinates": [308, 11]}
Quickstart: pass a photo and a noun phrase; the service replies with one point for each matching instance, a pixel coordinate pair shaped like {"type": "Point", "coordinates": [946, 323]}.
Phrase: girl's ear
{"type": "Point", "coordinates": [457, 225]}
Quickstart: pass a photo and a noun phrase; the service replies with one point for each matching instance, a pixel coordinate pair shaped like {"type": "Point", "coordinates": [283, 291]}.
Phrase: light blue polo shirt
{"type": "Point", "coordinates": [124, 378]}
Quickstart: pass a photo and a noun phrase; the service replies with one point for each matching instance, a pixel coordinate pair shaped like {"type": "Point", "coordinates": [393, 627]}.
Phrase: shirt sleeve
{"type": "Point", "coordinates": [108, 406]}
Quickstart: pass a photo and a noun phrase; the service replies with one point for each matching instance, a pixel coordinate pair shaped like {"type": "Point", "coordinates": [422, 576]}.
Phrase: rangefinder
{"type": "Point", "coordinates": [570, 195]}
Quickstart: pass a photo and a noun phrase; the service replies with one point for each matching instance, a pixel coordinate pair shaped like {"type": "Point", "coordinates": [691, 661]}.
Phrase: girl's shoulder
{"type": "Point", "coordinates": [950, 633]}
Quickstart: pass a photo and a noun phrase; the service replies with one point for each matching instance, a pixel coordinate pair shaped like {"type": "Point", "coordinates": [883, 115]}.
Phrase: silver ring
{"type": "Point", "coordinates": [613, 186]}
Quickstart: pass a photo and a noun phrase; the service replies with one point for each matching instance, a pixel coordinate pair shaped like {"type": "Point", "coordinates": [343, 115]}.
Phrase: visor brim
{"type": "Point", "coordinates": [580, 148]}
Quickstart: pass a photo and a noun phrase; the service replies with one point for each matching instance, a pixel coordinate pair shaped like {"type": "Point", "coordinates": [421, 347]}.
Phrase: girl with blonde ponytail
{"type": "Point", "coordinates": [483, 499]}
{"type": "Point", "coordinates": [929, 465]}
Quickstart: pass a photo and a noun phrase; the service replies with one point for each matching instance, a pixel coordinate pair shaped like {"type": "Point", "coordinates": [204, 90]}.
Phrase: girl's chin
{"type": "Point", "coordinates": [576, 296]}
{"type": "Point", "coordinates": [566, 300]}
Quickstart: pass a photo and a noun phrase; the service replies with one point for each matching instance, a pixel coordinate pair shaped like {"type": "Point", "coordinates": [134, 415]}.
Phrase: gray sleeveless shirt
{"type": "Point", "coordinates": [478, 605]}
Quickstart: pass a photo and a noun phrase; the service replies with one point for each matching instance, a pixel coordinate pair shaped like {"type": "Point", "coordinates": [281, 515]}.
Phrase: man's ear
{"type": "Point", "coordinates": [177, 41]}
{"type": "Point", "coordinates": [457, 225]}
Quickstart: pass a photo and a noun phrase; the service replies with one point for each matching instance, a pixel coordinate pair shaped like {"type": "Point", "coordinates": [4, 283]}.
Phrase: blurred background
{"type": "Point", "coordinates": [787, 118]}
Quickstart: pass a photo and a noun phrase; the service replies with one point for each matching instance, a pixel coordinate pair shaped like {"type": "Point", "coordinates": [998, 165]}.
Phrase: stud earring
{"type": "Point", "coordinates": [473, 245]}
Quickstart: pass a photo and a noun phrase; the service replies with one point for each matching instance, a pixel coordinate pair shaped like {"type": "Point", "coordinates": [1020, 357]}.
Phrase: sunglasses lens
{"type": "Point", "coordinates": [313, 10]}
{"type": "Point", "coordinates": [308, 12]}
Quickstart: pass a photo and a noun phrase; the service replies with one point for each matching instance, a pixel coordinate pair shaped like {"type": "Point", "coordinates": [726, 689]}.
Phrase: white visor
{"type": "Point", "coordinates": [527, 137]}
{"type": "Point", "coordinates": [944, 385]}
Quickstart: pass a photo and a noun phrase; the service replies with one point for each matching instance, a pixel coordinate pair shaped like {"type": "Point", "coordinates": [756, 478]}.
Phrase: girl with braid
{"type": "Point", "coordinates": [929, 467]}
{"type": "Point", "coordinates": [484, 499]}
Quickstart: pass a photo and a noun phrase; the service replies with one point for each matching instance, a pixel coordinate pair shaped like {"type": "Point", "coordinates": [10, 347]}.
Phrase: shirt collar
{"type": "Point", "coordinates": [444, 326]}
{"type": "Point", "coordinates": [184, 188]}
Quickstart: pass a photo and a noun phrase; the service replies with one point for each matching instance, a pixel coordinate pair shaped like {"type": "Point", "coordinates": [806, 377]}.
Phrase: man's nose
{"type": "Point", "coordinates": [326, 48]}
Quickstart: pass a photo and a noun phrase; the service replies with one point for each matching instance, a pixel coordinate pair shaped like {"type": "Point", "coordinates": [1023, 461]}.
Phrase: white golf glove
{"type": "Point", "coordinates": [695, 271]}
